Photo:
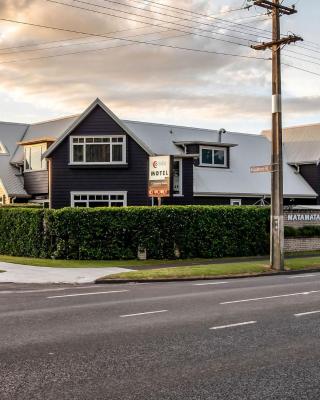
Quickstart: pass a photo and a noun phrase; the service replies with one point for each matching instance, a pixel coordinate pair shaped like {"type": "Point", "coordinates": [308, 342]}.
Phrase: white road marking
{"type": "Point", "coordinates": [306, 313]}
{"type": "Point", "coordinates": [87, 294]}
{"type": "Point", "coordinates": [209, 283]}
{"type": "Point", "coordinates": [47, 290]}
{"type": "Point", "coordinates": [233, 325]}
{"type": "Point", "coordinates": [301, 276]}
{"type": "Point", "coordinates": [271, 297]}
{"type": "Point", "coordinates": [144, 313]}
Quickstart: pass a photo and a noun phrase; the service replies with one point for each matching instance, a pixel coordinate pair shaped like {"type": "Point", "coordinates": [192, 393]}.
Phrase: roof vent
{"type": "Point", "coordinates": [221, 132]}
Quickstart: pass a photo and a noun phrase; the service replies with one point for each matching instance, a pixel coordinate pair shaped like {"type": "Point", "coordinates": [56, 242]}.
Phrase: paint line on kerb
{"type": "Point", "coordinates": [209, 283]}
{"type": "Point", "coordinates": [301, 276]}
{"type": "Point", "coordinates": [46, 290]}
{"type": "Point", "coordinates": [233, 325]}
{"type": "Point", "coordinates": [86, 294]}
{"type": "Point", "coordinates": [271, 297]}
{"type": "Point", "coordinates": [143, 313]}
{"type": "Point", "coordinates": [307, 313]}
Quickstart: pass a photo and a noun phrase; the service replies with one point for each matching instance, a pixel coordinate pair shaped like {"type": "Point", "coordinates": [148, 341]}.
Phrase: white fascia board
{"type": "Point", "coordinates": [97, 102]}
{"type": "Point", "coordinates": [252, 195]}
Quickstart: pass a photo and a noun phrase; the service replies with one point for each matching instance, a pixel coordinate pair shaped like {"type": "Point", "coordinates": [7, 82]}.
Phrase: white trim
{"type": "Point", "coordinates": [286, 196]}
{"type": "Point", "coordinates": [88, 193]}
{"type": "Point", "coordinates": [124, 150]}
{"type": "Point", "coordinates": [213, 148]}
{"type": "Point", "coordinates": [84, 115]}
{"type": "Point", "coordinates": [237, 201]}
{"type": "Point", "coordinates": [180, 194]}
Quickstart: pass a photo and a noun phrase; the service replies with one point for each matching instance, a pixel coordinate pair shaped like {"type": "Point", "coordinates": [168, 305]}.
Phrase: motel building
{"type": "Point", "coordinates": [95, 159]}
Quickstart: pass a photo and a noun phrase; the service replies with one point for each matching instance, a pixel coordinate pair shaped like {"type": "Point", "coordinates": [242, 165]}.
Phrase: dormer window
{"type": "Point", "coordinates": [98, 150]}
{"type": "Point", "coordinates": [33, 160]}
{"type": "Point", "coordinates": [213, 157]}
{"type": "Point", "coordinates": [3, 150]}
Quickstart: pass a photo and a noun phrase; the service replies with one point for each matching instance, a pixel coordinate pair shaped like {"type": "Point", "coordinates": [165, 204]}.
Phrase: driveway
{"type": "Point", "coordinates": [17, 273]}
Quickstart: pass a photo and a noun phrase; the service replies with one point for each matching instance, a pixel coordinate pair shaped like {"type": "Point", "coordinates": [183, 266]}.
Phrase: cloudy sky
{"type": "Point", "coordinates": [46, 73]}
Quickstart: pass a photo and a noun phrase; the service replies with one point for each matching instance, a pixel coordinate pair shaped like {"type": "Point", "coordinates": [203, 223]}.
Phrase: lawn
{"type": "Point", "coordinates": [214, 270]}
{"type": "Point", "coordinates": [41, 262]}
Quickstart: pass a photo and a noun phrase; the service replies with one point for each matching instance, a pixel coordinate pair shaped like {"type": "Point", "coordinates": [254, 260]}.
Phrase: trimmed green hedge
{"type": "Point", "coordinates": [117, 233]}
{"type": "Point", "coordinates": [304, 231]}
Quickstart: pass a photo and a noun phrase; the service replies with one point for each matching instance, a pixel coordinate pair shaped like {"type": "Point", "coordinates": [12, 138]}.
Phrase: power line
{"type": "Point", "coordinates": [168, 15]}
{"type": "Point", "coordinates": [129, 40]}
{"type": "Point", "coordinates": [66, 40]}
{"type": "Point", "coordinates": [152, 24]}
{"type": "Point", "coordinates": [301, 69]}
{"type": "Point", "coordinates": [82, 43]}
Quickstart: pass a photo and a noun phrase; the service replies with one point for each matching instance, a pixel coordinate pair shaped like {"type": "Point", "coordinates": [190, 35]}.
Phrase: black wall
{"type": "Point", "coordinates": [132, 178]}
{"type": "Point", "coordinates": [311, 173]}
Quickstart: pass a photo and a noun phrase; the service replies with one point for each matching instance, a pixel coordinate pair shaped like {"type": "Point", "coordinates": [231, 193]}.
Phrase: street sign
{"type": "Point", "coordinates": [262, 168]}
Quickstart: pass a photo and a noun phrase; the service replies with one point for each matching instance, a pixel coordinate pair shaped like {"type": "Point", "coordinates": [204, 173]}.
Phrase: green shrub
{"type": "Point", "coordinates": [21, 232]}
{"type": "Point", "coordinates": [304, 231]}
{"type": "Point", "coordinates": [117, 233]}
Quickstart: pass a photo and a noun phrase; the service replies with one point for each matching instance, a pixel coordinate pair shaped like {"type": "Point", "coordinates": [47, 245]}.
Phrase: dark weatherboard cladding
{"type": "Point", "coordinates": [66, 178]}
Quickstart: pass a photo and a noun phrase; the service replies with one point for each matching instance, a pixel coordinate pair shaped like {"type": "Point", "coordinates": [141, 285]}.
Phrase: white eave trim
{"type": "Point", "coordinates": [97, 102]}
{"type": "Point", "coordinates": [203, 194]}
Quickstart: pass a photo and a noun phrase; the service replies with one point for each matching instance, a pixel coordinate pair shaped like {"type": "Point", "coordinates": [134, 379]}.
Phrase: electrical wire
{"type": "Point", "coordinates": [128, 40]}
{"type": "Point", "coordinates": [152, 24]}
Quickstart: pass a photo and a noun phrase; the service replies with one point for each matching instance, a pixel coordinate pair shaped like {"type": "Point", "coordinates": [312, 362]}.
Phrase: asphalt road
{"type": "Point", "coordinates": [221, 340]}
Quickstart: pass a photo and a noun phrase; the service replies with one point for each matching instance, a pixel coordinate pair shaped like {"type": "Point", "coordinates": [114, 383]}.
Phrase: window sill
{"type": "Point", "coordinates": [178, 195]}
{"type": "Point", "coordinates": [28, 171]}
{"type": "Point", "coordinates": [97, 166]}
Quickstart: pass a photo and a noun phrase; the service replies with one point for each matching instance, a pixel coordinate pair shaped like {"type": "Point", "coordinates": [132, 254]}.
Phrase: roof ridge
{"type": "Point", "coordinates": [187, 127]}
{"type": "Point", "coordinates": [54, 119]}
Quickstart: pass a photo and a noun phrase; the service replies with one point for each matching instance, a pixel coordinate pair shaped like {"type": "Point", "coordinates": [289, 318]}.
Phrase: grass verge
{"type": "Point", "coordinates": [41, 262]}
{"type": "Point", "coordinates": [213, 270]}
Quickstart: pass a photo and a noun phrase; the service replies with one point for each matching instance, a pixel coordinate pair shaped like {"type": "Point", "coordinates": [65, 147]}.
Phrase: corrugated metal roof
{"type": "Point", "coordinates": [252, 150]}
{"type": "Point", "coordinates": [302, 143]}
{"type": "Point", "coordinates": [159, 138]}
{"type": "Point", "coordinates": [10, 134]}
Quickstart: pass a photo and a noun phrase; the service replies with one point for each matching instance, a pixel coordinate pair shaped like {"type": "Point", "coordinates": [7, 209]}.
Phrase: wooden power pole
{"type": "Point", "coordinates": [277, 224]}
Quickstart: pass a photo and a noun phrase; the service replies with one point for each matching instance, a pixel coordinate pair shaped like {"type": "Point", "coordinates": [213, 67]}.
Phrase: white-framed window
{"type": "Point", "coordinates": [2, 199]}
{"type": "Point", "coordinates": [213, 156]}
{"type": "Point", "coordinates": [3, 149]}
{"type": "Point", "coordinates": [235, 202]}
{"type": "Point", "coordinates": [33, 160]}
{"type": "Point", "coordinates": [177, 177]}
{"type": "Point", "coordinates": [98, 199]}
{"type": "Point", "coordinates": [98, 149]}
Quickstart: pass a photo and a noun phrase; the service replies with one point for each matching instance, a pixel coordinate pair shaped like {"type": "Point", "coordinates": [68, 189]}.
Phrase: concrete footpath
{"type": "Point", "coordinates": [17, 273]}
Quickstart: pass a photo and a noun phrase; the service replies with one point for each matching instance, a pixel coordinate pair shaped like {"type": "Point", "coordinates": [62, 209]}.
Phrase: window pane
{"type": "Point", "coordinates": [219, 157]}
{"type": "Point", "coordinates": [206, 156]}
{"type": "Point", "coordinates": [98, 204]}
{"type": "Point", "coordinates": [35, 158]}
{"type": "Point", "coordinates": [78, 153]}
{"type": "Point", "coordinates": [80, 204]}
{"type": "Point", "coordinates": [117, 152]}
{"type": "Point", "coordinates": [116, 204]}
{"type": "Point", "coordinates": [97, 153]}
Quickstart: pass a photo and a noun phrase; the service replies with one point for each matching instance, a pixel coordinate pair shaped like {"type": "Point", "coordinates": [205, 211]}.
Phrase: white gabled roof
{"type": "Point", "coordinates": [10, 134]}
{"type": "Point", "coordinates": [302, 143]}
{"type": "Point", "coordinates": [160, 139]}
{"type": "Point", "coordinates": [252, 150]}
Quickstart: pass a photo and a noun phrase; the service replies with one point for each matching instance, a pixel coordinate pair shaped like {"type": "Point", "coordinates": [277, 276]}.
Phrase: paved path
{"type": "Point", "coordinates": [29, 274]}
{"type": "Point", "coordinates": [245, 339]}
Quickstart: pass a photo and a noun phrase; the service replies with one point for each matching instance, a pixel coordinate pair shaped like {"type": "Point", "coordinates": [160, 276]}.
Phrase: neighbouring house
{"type": "Point", "coordinates": [302, 152]}
{"type": "Point", "coordinates": [96, 159]}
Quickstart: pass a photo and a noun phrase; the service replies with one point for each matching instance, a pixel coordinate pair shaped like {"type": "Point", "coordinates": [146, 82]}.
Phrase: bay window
{"type": "Point", "coordinates": [33, 160]}
{"type": "Point", "coordinates": [98, 150]}
{"type": "Point", "coordinates": [177, 177]}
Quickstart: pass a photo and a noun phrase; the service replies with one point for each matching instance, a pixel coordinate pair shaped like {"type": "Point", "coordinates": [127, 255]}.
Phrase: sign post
{"type": "Point", "coordinates": [159, 177]}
